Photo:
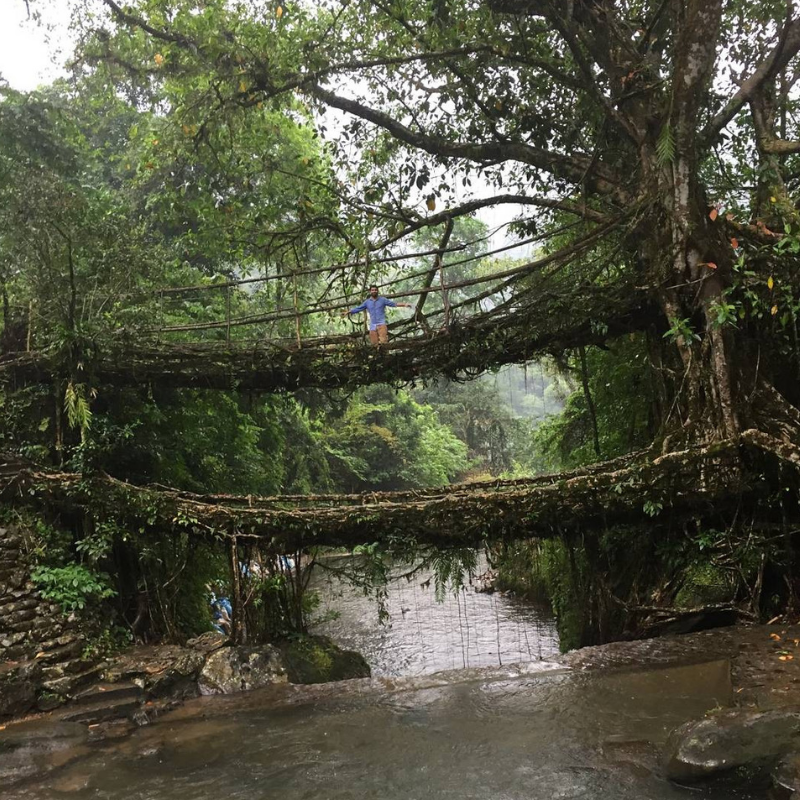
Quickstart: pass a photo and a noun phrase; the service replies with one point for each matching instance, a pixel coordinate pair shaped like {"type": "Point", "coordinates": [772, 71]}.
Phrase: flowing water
{"type": "Point", "coordinates": [424, 634]}
{"type": "Point", "coordinates": [493, 730]}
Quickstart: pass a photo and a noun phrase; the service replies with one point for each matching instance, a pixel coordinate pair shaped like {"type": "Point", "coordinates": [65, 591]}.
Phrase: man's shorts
{"type": "Point", "coordinates": [380, 335]}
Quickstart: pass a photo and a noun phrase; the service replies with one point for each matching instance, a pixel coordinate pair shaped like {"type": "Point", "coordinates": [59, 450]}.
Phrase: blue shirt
{"type": "Point", "coordinates": [376, 309]}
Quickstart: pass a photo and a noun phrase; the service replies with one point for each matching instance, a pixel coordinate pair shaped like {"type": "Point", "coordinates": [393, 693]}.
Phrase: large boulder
{"type": "Point", "coordinates": [208, 642]}
{"type": "Point", "coordinates": [730, 739]}
{"type": "Point", "coordinates": [239, 669]}
{"type": "Point", "coordinates": [316, 659]}
{"type": "Point", "coordinates": [179, 680]}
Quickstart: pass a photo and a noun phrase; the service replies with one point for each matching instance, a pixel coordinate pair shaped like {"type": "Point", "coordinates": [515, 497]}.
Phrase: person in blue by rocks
{"type": "Point", "coordinates": [375, 306]}
{"type": "Point", "coordinates": [221, 611]}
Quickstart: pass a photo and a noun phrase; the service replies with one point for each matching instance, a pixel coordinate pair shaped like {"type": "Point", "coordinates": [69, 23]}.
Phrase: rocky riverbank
{"type": "Point", "coordinates": [139, 685]}
{"type": "Point", "coordinates": [756, 740]}
{"type": "Point", "coordinates": [759, 732]}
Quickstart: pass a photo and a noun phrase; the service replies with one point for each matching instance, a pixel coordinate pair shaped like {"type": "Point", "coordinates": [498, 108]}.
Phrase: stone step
{"type": "Point", "coordinates": [72, 683]}
{"type": "Point", "coordinates": [120, 708]}
{"type": "Point", "coordinates": [11, 606]}
{"type": "Point", "coordinates": [18, 620]}
{"type": "Point", "coordinates": [69, 666]}
{"type": "Point", "coordinates": [62, 654]}
{"type": "Point", "coordinates": [60, 641]}
{"type": "Point", "coordinates": [16, 652]}
{"type": "Point", "coordinates": [101, 692]}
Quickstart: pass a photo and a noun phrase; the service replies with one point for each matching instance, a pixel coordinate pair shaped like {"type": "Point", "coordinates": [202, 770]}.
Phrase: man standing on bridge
{"type": "Point", "coordinates": [375, 306]}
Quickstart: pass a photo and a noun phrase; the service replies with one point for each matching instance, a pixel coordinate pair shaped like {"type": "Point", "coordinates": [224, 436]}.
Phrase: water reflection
{"type": "Point", "coordinates": [423, 636]}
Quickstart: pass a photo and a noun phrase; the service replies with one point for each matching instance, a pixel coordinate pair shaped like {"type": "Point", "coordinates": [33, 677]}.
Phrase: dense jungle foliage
{"type": "Point", "coordinates": [208, 163]}
{"type": "Point", "coordinates": [86, 241]}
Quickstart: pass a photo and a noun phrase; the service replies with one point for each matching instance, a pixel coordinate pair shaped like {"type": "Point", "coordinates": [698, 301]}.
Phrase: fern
{"type": "Point", "coordinates": [665, 146]}
{"type": "Point", "coordinates": [76, 406]}
{"type": "Point", "coordinates": [450, 568]}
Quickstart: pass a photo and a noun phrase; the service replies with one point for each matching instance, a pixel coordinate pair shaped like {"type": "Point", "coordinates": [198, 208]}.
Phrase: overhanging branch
{"type": "Point", "coordinates": [577, 168]}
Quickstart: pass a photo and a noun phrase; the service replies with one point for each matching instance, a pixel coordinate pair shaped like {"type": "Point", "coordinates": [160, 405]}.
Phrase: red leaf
{"type": "Point", "coordinates": [713, 214]}
{"type": "Point", "coordinates": [734, 243]}
{"type": "Point", "coordinates": [711, 265]}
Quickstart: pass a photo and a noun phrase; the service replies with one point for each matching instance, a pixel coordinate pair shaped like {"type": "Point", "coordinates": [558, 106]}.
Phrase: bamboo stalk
{"type": "Point", "coordinates": [445, 298]}
{"type": "Point", "coordinates": [30, 327]}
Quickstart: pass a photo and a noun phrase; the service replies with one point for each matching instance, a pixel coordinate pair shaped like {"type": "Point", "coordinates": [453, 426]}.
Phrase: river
{"type": "Point", "coordinates": [424, 634]}
{"type": "Point", "coordinates": [501, 722]}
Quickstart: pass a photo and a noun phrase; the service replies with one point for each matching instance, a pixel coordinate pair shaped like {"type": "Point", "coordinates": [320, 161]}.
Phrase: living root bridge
{"type": "Point", "coordinates": [466, 348]}
{"type": "Point", "coordinates": [702, 481]}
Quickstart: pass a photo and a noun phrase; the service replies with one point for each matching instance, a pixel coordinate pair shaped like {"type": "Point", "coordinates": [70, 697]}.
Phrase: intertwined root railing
{"type": "Point", "coordinates": [509, 316]}
{"type": "Point", "coordinates": [510, 335]}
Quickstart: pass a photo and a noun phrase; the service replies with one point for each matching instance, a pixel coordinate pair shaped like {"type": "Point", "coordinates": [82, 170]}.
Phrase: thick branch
{"type": "Point", "coordinates": [471, 206]}
{"type": "Point", "coordinates": [138, 22]}
{"type": "Point", "coordinates": [574, 168]}
{"type": "Point", "coordinates": [694, 59]}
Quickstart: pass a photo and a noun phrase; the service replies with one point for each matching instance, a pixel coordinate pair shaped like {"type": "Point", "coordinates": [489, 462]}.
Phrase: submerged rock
{"type": "Point", "coordinates": [730, 739]}
{"type": "Point", "coordinates": [316, 659]}
{"type": "Point", "coordinates": [33, 749]}
{"type": "Point", "coordinates": [239, 669]}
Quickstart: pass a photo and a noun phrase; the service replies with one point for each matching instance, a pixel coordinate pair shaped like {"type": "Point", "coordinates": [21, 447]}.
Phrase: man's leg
{"type": "Point", "coordinates": [373, 337]}
{"type": "Point", "coordinates": [383, 334]}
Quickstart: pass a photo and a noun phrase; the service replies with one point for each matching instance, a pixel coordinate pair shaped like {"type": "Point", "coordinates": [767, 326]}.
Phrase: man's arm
{"type": "Point", "coordinates": [362, 307]}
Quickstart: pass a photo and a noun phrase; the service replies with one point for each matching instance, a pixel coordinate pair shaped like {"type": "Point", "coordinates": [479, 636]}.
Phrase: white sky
{"type": "Point", "coordinates": [26, 48]}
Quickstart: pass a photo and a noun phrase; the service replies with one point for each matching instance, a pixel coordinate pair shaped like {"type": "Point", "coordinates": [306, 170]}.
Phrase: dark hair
{"type": "Point", "coordinates": [373, 286]}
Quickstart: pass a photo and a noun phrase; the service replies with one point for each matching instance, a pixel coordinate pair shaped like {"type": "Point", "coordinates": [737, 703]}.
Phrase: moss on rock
{"type": "Point", "coordinates": [316, 659]}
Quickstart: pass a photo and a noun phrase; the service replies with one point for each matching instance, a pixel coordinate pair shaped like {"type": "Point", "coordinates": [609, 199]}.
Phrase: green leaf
{"type": "Point", "coordinates": [665, 146]}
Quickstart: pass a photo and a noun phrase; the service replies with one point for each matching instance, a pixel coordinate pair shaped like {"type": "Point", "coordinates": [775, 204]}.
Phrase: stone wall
{"type": "Point", "coordinates": [40, 648]}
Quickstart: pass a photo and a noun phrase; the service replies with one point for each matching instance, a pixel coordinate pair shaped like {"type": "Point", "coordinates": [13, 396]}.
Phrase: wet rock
{"type": "Point", "coordinates": [179, 680]}
{"type": "Point", "coordinates": [19, 683]}
{"type": "Point", "coordinates": [786, 778]}
{"type": "Point", "coordinates": [164, 671]}
{"type": "Point", "coordinates": [33, 749]}
{"type": "Point", "coordinates": [730, 739]}
{"type": "Point", "coordinates": [77, 781]}
{"type": "Point", "coordinates": [239, 669]}
{"type": "Point", "coordinates": [208, 642]}
{"type": "Point", "coordinates": [671, 622]}
{"type": "Point", "coordinates": [68, 679]}
{"type": "Point", "coordinates": [316, 659]}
